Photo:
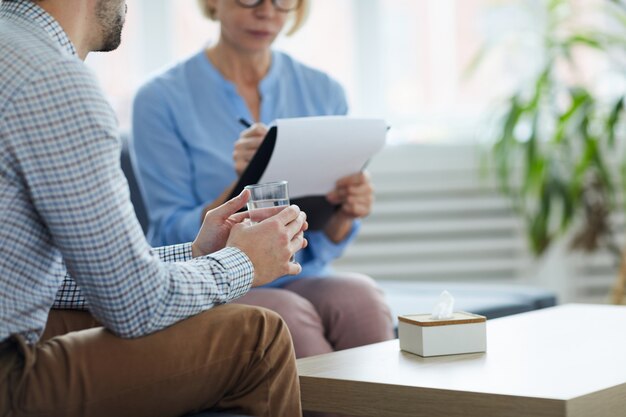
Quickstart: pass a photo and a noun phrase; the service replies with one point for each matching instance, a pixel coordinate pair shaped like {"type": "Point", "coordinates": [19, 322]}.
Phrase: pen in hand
{"type": "Point", "coordinates": [244, 122]}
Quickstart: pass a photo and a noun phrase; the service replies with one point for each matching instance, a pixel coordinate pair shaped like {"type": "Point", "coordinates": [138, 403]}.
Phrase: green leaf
{"type": "Point", "coordinates": [590, 40]}
{"type": "Point", "coordinates": [581, 168]}
{"type": "Point", "coordinates": [538, 228]}
{"type": "Point", "coordinates": [553, 4]}
{"type": "Point", "coordinates": [477, 59]}
{"type": "Point", "coordinates": [604, 174]}
{"type": "Point", "coordinates": [613, 119]}
{"type": "Point", "coordinates": [562, 191]}
{"type": "Point", "coordinates": [567, 147]}
{"type": "Point", "coordinates": [535, 162]}
{"type": "Point", "coordinates": [579, 98]}
{"type": "Point", "coordinates": [623, 178]}
{"type": "Point", "coordinates": [505, 145]}
{"type": "Point", "coordinates": [540, 87]}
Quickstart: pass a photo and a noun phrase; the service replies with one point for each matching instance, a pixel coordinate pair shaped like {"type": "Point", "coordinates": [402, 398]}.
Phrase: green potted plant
{"type": "Point", "coordinates": [558, 148]}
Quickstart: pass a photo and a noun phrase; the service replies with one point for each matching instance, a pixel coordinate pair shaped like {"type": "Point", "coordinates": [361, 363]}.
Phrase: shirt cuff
{"type": "Point", "coordinates": [175, 253]}
{"type": "Point", "coordinates": [239, 269]}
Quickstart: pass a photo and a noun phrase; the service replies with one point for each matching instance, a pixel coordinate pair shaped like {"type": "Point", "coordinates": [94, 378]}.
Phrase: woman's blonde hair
{"type": "Point", "coordinates": [299, 15]}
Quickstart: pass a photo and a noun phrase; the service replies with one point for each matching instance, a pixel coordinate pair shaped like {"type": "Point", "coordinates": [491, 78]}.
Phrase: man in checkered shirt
{"type": "Point", "coordinates": [134, 330]}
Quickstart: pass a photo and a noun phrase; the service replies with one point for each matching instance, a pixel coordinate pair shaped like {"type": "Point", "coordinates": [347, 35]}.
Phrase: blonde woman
{"type": "Point", "coordinates": [191, 148]}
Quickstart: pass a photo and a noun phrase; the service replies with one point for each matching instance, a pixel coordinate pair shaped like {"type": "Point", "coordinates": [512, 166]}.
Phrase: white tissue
{"type": "Point", "coordinates": [444, 307]}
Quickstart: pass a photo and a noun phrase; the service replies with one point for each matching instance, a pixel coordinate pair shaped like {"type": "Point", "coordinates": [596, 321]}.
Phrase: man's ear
{"type": "Point", "coordinates": [210, 8]}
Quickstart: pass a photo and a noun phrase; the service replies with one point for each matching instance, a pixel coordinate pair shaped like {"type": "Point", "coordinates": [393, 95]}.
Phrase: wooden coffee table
{"type": "Point", "coordinates": [562, 361]}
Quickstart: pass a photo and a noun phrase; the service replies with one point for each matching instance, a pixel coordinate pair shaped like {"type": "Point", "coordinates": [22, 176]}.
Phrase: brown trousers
{"type": "Point", "coordinates": [231, 357]}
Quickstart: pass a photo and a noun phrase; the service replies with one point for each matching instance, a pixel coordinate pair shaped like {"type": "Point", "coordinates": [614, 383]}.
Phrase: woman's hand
{"type": "Point", "coordinates": [356, 196]}
{"type": "Point", "coordinates": [247, 145]}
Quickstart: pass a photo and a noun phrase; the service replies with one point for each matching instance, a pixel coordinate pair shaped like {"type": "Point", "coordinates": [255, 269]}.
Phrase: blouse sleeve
{"type": "Point", "coordinates": [164, 172]}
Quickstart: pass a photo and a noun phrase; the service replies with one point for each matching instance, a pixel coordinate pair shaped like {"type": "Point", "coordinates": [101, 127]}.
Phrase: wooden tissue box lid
{"type": "Point", "coordinates": [458, 317]}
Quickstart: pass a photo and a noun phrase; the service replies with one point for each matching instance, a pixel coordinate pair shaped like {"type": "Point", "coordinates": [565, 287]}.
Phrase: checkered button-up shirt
{"type": "Point", "coordinates": [64, 202]}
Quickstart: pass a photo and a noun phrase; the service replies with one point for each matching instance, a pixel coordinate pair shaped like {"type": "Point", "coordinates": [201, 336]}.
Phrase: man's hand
{"type": "Point", "coordinates": [247, 145]}
{"type": "Point", "coordinates": [355, 195]}
{"type": "Point", "coordinates": [271, 243]}
{"type": "Point", "coordinates": [217, 225]}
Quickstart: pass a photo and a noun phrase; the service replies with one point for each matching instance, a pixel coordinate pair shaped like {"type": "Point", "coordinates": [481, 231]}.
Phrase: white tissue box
{"type": "Point", "coordinates": [425, 336]}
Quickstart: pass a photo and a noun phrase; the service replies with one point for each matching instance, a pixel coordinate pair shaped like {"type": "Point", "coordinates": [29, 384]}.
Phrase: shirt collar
{"type": "Point", "coordinates": [29, 12]}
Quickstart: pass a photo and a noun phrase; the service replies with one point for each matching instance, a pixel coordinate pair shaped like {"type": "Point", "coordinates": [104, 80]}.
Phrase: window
{"type": "Point", "coordinates": [404, 60]}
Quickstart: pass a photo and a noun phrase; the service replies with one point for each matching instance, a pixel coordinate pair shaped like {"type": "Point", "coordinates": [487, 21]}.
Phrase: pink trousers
{"type": "Point", "coordinates": [330, 313]}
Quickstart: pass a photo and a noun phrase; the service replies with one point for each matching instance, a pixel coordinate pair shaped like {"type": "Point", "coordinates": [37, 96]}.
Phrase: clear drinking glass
{"type": "Point", "coordinates": [267, 200]}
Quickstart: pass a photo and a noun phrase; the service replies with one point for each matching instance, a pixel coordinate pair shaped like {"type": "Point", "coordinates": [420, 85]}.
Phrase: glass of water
{"type": "Point", "coordinates": [267, 200]}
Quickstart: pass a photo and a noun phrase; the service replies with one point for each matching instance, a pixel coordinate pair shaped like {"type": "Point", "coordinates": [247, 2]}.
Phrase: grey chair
{"type": "Point", "coordinates": [136, 197]}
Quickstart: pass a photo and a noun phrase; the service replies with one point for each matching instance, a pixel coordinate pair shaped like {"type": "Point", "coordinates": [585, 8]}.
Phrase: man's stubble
{"type": "Point", "coordinates": [111, 21]}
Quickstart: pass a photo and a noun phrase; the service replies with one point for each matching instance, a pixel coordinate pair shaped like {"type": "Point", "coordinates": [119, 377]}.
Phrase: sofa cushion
{"type": "Point", "coordinates": [490, 300]}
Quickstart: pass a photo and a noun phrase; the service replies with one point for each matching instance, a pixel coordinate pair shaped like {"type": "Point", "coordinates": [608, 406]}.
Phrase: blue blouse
{"type": "Point", "coordinates": [185, 124]}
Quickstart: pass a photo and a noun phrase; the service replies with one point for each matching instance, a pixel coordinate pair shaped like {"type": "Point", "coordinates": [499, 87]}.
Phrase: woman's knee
{"type": "Point", "coordinates": [360, 284]}
{"type": "Point", "coordinates": [346, 290]}
{"type": "Point", "coordinates": [303, 320]}
{"type": "Point", "coordinates": [352, 307]}
{"type": "Point", "coordinates": [290, 306]}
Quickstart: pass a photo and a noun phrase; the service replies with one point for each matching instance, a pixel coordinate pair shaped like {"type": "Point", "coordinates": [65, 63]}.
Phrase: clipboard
{"type": "Point", "coordinates": [295, 138]}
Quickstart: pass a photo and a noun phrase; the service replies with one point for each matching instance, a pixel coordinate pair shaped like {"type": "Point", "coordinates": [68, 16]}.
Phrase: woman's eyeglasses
{"type": "Point", "coordinates": [282, 5]}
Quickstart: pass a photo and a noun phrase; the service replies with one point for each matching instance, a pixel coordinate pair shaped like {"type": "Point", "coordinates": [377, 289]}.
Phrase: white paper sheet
{"type": "Point", "coordinates": [312, 153]}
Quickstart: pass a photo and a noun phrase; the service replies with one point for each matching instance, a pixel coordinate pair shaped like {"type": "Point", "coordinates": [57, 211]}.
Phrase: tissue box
{"type": "Point", "coordinates": [425, 336]}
